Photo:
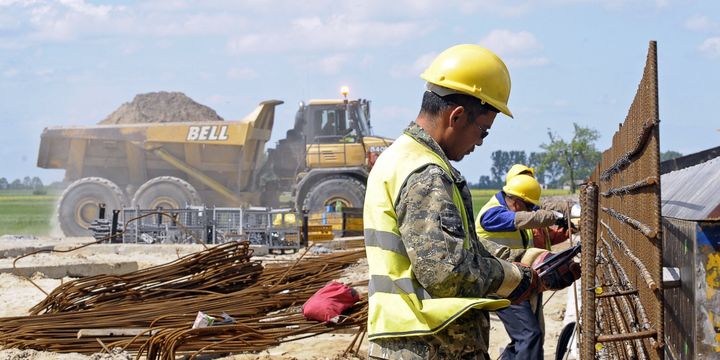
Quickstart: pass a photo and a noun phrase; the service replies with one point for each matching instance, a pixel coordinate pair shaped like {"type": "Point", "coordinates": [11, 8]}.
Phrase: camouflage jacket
{"type": "Point", "coordinates": [432, 231]}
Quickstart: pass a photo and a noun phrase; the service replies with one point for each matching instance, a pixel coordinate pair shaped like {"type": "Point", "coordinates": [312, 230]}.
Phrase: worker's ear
{"type": "Point", "coordinates": [456, 115]}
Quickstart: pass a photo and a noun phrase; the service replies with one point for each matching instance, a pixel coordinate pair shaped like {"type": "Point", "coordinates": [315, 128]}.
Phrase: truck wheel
{"type": "Point", "coordinates": [334, 190]}
{"type": "Point", "coordinates": [167, 192]}
{"type": "Point", "coordinates": [78, 205]}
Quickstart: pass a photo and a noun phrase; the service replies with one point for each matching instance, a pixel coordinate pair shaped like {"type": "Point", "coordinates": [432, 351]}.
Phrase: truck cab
{"type": "Point", "coordinates": [329, 152]}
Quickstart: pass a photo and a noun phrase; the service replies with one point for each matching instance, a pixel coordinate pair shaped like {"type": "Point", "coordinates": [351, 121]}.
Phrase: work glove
{"type": "Point", "coordinates": [529, 285]}
{"type": "Point", "coordinates": [562, 223]}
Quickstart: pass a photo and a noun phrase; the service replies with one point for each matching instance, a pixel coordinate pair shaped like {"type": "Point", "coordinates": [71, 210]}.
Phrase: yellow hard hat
{"type": "Point", "coordinates": [524, 187]}
{"type": "Point", "coordinates": [518, 169]}
{"type": "Point", "coordinates": [472, 70]}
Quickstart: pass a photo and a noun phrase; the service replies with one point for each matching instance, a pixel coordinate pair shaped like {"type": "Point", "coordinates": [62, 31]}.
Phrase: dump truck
{"type": "Point", "coordinates": [324, 160]}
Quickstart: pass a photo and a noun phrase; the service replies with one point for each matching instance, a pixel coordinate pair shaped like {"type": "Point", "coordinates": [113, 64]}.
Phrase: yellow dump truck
{"type": "Point", "coordinates": [323, 160]}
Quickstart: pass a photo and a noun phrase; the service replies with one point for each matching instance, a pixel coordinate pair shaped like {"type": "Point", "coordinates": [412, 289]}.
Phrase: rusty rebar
{"type": "Point", "coordinates": [622, 278]}
{"type": "Point", "coordinates": [635, 260]}
{"type": "Point", "coordinates": [588, 320]}
{"type": "Point", "coordinates": [627, 189]}
{"type": "Point", "coordinates": [635, 224]}
{"type": "Point", "coordinates": [626, 158]}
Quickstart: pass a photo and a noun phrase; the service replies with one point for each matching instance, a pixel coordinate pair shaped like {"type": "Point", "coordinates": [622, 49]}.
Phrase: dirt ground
{"type": "Point", "coordinates": [17, 296]}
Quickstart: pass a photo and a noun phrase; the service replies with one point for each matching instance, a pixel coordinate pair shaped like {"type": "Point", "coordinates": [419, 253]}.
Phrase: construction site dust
{"type": "Point", "coordinates": [182, 236]}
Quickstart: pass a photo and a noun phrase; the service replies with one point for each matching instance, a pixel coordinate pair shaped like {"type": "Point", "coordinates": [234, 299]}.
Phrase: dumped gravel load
{"type": "Point", "coordinates": [160, 107]}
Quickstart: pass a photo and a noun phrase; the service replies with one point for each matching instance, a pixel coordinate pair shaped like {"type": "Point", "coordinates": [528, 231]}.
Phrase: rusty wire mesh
{"type": "Point", "coordinates": [622, 300]}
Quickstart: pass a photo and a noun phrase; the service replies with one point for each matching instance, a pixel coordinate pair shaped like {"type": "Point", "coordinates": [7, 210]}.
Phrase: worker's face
{"type": "Point", "coordinates": [515, 203]}
{"type": "Point", "coordinates": [468, 133]}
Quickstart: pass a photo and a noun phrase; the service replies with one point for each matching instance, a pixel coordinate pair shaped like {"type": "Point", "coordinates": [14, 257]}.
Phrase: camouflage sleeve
{"type": "Point", "coordinates": [503, 252]}
{"type": "Point", "coordinates": [432, 231]}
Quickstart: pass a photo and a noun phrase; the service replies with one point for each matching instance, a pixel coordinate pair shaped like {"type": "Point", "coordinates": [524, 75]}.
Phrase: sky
{"type": "Point", "coordinates": [73, 62]}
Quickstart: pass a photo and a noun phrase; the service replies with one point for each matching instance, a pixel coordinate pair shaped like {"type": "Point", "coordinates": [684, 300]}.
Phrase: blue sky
{"type": "Point", "coordinates": [73, 62]}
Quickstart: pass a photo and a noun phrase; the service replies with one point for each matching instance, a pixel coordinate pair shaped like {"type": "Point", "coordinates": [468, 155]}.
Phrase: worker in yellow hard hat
{"type": "Point", "coordinates": [507, 226]}
{"type": "Point", "coordinates": [518, 169]}
{"type": "Point", "coordinates": [432, 282]}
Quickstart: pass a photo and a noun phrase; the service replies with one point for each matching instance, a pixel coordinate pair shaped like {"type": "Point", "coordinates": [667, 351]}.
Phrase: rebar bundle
{"type": "Point", "coordinates": [212, 271]}
{"type": "Point", "coordinates": [265, 312]}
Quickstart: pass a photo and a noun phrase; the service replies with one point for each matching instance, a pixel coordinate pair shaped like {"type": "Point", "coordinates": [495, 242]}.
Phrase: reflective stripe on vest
{"type": "Point", "coordinates": [511, 239]}
{"type": "Point", "coordinates": [398, 304]}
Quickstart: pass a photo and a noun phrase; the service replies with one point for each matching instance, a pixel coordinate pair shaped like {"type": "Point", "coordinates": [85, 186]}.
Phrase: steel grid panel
{"type": "Point", "coordinates": [628, 246]}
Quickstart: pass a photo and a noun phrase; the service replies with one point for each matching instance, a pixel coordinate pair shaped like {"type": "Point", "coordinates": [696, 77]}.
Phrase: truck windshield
{"type": "Point", "coordinates": [362, 122]}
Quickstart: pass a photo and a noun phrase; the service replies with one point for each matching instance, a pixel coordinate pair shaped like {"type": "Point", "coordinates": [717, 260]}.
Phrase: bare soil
{"type": "Point", "coordinates": [17, 296]}
{"type": "Point", "coordinates": [161, 107]}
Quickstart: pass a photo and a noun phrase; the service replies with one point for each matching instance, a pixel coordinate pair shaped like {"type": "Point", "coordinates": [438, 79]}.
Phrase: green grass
{"type": "Point", "coordinates": [21, 212]}
{"type": "Point", "coordinates": [480, 197]}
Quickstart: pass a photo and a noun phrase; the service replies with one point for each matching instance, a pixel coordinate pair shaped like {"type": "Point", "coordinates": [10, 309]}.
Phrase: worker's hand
{"type": "Point", "coordinates": [561, 276]}
{"type": "Point", "coordinates": [562, 223]}
{"type": "Point", "coordinates": [529, 285]}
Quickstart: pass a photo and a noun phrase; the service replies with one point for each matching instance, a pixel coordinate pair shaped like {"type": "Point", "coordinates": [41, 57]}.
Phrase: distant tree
{"type": "Point", "coordinates": [36, 183]}
{"type": "Point", "coordinates": [27, 183]}
{"type": "Point", "coordinates": [535, 161]}
{"type": "Point", "coordinates": [487, 183]}
{"type": "Point", "coordinates": [3, 183]}
{"type": "Point", "coordinates": [576, 158]}
{"type": "Point", "coordinates": [669, 155]}
{"type": "Point", "coordinates": [16, 185]}
{"type": "Point", "coordinates": [503, 160]}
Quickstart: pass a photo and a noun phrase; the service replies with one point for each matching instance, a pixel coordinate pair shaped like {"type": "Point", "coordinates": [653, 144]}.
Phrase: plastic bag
{"type": "Point", "coordinates": [328, 303]}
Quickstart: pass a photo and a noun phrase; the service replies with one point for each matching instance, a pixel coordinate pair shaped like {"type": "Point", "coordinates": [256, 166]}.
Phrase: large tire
{"type": "Point", "coordinates": [78, 205]}
{"type": "Point", "coordinates": [167, 192]}
{"type": "Point", "coordinates": [346, 190]}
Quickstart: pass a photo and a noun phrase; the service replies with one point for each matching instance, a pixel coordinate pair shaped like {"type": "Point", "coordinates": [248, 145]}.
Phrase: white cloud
{"type": "Point", "coordinates": [710, 48]}
{"type": "Point", "coordinates": [414, 69]}
{"type": "Point", "coordinates": [333, 32]}
{"type": "Point", "coordinates": [535, 61]}
{"type": "Point", "coordinates": [10, 73]}
{"type": "Point", "coordinates": [243, 73]}
{"type": "Point", "coordinates": [520, 49]}
{"type": "Point", "coordinates": [701, 23]}
{"type": "Point", "coordinates": [506, 42]}
{"type": "Point", "coordinates": [333, 63]}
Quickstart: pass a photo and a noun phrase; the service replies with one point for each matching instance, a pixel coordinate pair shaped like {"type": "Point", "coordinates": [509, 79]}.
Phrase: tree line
{"type": "Point", "coordinates": [27, 183]}
{"type": "Point", "coordinates": [560, 163]}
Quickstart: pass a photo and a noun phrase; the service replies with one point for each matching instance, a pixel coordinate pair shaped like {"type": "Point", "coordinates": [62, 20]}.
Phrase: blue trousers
{"type": "Point", "coordinates": [523, 326]}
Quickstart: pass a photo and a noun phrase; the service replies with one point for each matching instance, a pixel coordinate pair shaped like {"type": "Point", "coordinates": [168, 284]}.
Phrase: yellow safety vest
{"type": "Point", "coordinates": [398, 304]}
{"type": "Point", "coordinates": [518, 239]}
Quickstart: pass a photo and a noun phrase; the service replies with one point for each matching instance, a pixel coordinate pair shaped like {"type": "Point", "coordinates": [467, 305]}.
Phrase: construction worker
{"type": "Point", "coordinates": [545, 237]}
{"type": "Point", "coordinates": [505, 226]}
{"type": "Point", "coordinates": [430, 279]}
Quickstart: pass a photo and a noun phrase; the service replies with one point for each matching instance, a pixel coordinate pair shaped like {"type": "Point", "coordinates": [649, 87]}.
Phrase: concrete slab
{"type": "Point", "coordinates": [75, 270]}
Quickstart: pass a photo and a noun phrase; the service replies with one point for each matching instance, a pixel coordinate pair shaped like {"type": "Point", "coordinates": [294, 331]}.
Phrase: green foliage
{"type": "Point", "coordinates": [669, 155]}
{"type": "Point", "coordinates": [502, 161]}
{"type": "Point", "coordinates": [565, 162]}
{"type": "Point", "coordinates": [24, 213]}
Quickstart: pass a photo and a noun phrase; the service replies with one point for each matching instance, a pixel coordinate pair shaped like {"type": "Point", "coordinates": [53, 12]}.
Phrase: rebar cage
{"type": "Point", "coordinates": [622, 312]}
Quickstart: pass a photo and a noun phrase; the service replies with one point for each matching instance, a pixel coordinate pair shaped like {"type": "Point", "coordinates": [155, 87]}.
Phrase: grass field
{"type": "Point", "coordinates": [22, 213]}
